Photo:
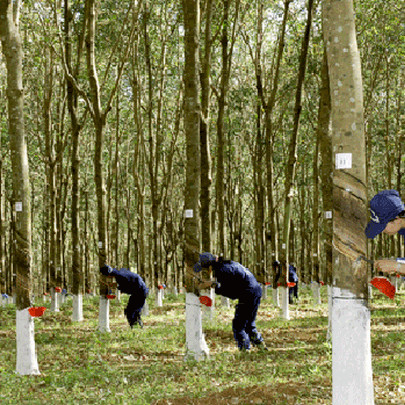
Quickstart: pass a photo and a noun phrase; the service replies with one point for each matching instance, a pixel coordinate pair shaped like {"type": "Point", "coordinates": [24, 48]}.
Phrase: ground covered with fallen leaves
{"type": "Point", "coordinates": [78, 364]}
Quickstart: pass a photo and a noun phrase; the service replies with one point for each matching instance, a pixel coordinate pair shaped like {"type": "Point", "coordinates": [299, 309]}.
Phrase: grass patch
{"type": "Point", "coordinates": [78, 364]}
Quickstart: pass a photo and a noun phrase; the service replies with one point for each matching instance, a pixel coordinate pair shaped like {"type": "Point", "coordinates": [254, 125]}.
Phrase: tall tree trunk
{"type": "Point", "coordinates": [204, 133]}
{"type": "Point", "coordinates": [3, 270]}
{"type": "Point", "coordinates": [315, 223]}
{"type": "Point", "coordinates": [51, 179]}
{"type": "Point", "coordinates": [220, 174]}
{"type": "Point", "coordinates": [138, 165]}
{"type": "Point", "coordinates": [99, 120]}
{"type": "Point", "coordinates": [271, 234]}
{"type": "Point", "coordinates": [351, 349]}
{"type": "Point", "coordinates": [99, 116]}
{"type": "Point", "coordinates": [292, 160]}
{"type": "Point", "coordinates": [259, 200]}
{"type": "Point", "coordinates": [12, 49]}
{"type": "Point", "coordinates": [326, 173]}
{"type": "Point", "coordinates": [195, 341]}
{"type": "Point", "coordinates": [226, 53]}
{"type": "Point", "coordinates": [399, 148]}
{"type": "Point", "coordinates": [77, 275]}
{"type": "Point", "coordinates": [326, 167]}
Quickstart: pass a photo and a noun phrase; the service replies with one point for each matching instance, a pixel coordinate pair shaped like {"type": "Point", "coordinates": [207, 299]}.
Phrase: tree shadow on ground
{"type": "Point", "coordinates": [277, 393]}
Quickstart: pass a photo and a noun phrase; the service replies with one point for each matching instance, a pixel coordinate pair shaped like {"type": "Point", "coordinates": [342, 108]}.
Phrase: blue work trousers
{"type": "Point", "coordinates": [134, 308]}
{"type": "Point", "coordinates": [243, 324]}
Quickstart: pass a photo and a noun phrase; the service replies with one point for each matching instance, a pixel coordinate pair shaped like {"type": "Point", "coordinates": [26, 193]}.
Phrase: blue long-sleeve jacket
{"type": "Point", "coordinates": [129, 283]}
{"type": "Point", "coordinates": [235, 281]}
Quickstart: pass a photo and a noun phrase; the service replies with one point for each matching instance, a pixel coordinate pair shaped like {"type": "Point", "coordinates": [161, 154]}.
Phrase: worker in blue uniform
{"type": "Point", "coordinates": [132, 284]}
{"type": "Point", "coordinates": [292, 278]}
{"type": "Point", "coordinates": [236, 282]}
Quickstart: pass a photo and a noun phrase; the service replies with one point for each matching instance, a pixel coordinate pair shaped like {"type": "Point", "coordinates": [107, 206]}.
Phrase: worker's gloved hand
{"type": "Point", "coordinates": [106, 270]}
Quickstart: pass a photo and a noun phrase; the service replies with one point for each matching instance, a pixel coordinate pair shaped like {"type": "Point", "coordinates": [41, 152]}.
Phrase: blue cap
{"type": "Point", "coordinates": [384, 207]}
{"type": "Point", "coordinates": [206, 260]}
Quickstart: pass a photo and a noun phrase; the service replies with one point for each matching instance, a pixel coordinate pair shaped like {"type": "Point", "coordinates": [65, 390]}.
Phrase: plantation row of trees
{"type": "Point", "coordinates": [105, 118]}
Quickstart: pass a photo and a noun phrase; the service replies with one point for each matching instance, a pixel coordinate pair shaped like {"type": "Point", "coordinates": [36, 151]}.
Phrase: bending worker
{"type": "Point", "coordinates": [132, 284]}
{"type": "Point", "coordinates": [236, 282]}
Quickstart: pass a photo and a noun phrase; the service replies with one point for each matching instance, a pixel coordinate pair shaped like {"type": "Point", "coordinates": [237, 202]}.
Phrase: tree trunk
{"type": "Point", "coordinates": [351, 352]}
{"type": "Point", "coordinates": [326, 173]}
{"type": "Point", "coordinates": [220, 174]}
{"type": "Point", "coordinates": [315, 223]}
{"type": "Point", "coordinates": [99, 120]}
{"type": "Point", "coordinates": [12, 49]}
{"type": "Point", "coordinates": [51, 180]}
{"type": "Point", "coordinates": [77, 275]}
{"type": "Point", "coordinates": [99, 125]}
{"type": "Point", "coordinates": [292, 160]}
{"type": "Point", "coordinates": [326, 167]}
{"type": "Point", "coordinates": [195, 341]}
{"type": "Point", "coordinates": [272, 234]}
{"type": "Point", "coordinates": [204, 134]}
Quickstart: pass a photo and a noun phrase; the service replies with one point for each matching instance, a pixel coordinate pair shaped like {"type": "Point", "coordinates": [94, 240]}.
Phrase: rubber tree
{"type": "Point", "coordinates": [195, 341]}
{"type": "Point", "coordinates": [268, 104]}
{"type": "Point", "coordinates": [352, 381]}
{"type": "Point", "coordinates": [72, 102]}
{"type": "Point", "coordinates": [291, 164]}
{"type": "Point", "coordinates": [27, 363]}
{"type": "Point", "coordinates": [326, 174]}
{"type": "Point", "coordinates": [99, 115]}
{"type": "Point", "coordinates": [315, 223]}
{"type": "Point", "coordinates": [51, 189]}
{"type": "Point", "coordinates": [206, 179]}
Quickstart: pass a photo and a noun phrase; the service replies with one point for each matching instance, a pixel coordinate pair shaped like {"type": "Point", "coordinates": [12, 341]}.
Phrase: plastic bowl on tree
{"type": "Point", "coordinates": [36, 311]}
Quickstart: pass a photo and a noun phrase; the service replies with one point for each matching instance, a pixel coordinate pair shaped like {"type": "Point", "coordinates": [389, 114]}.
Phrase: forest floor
{"type": "Point", "coordinates": [80, 365]}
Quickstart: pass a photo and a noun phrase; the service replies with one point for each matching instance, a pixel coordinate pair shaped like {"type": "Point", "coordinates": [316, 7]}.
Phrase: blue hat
{"type": "Point", "coordinates": [384, 207]}
{"type": "Point", "coordinates": [206, 260]}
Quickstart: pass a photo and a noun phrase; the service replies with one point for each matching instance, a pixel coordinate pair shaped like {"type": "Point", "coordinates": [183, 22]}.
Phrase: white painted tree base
{"type": "Point", "coordinates": [276, 298]}
{"type": "Point", "coordinates": [195, 341]}
{"type": "Point", "coordinates": [55, 299]}
{"type": "Point", "coordinates": [352, 375]}
{"type": "Point", "coordinates": [145, 309]}
{"type": "Point", "coordinates": [264, 292]}
{"type": "Point", "coordinates": [284, 302]}
{"type": "Point", "coordinates": [370, 292]}
{"type": "Point", "coordinates": [225, 302]}
{"type": "Point", "coordinates": [316, 292]}
{"type": "Point", "coordinates": [27, 363]}
{"type": "Point", "coordinates": [104, 315]}
{"type": "Point", "coordinates": [77, 314]}
{"type": "Point", "coordinates": [208, 313]}
{"type": "Point", "coordinates": [159, 297]}
{"type": "Point", "coordinates": [394, 282]}
{"type": "Point", "coordinates": [330, 302]}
